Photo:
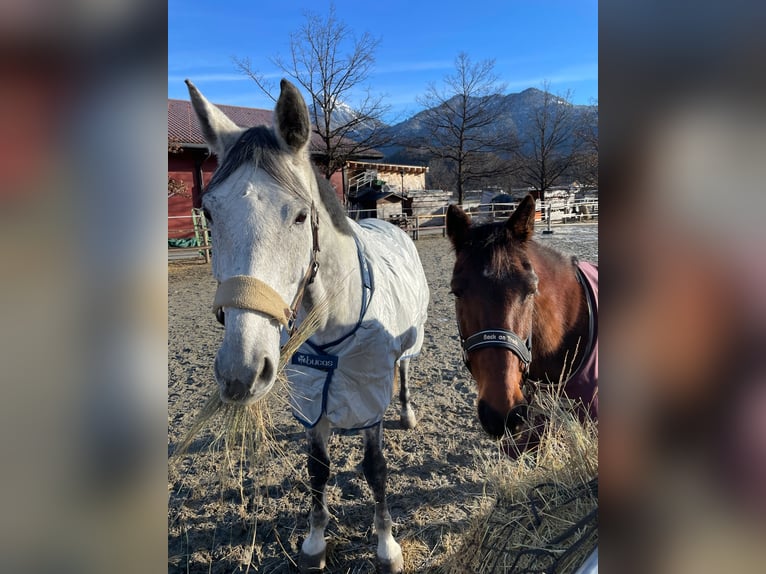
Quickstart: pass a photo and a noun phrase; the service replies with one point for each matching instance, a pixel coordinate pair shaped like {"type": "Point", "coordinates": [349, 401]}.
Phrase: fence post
{"type": "Point", "coordinates": [201, 233]}
{"type": "Point", "coordinates": [548, 217]}
{"type": "Point", "coordinates": [195, 224]}
{"type": "Point", "coordinates": [206, 236]}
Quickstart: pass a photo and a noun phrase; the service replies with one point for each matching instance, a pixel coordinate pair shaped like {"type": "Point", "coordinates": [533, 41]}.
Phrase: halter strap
{"type": "Point", "coordinates": [245, 292]}
{"type": "Point", "coordinates": [311, 271]}
{"type": "Point", "coordinates": [500, 338]}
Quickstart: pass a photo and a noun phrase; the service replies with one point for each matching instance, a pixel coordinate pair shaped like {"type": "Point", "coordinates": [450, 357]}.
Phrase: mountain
{"type": "Point", "coordinates": [344, 114]}
{"type": "Point", "coordinates": [515, 115]}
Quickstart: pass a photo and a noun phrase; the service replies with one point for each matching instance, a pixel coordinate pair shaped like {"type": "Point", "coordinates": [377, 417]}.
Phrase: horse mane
{"type": "Point", "coordinates": [489, 246]}
{"type": "Point", "coordinates": [329, 199]}
{"type": "Point", "coordinates": [260, 145]}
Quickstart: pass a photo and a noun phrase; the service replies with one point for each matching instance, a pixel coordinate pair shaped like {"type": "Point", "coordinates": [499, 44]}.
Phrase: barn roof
{"type": "Point", "coordinates": [388, 167]}
{"type": "Point", "coordinates": [183, 128]}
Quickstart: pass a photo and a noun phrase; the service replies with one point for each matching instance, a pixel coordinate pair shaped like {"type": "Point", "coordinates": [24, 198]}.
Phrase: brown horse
{"type": "Point", "coordinates": [526, 315]}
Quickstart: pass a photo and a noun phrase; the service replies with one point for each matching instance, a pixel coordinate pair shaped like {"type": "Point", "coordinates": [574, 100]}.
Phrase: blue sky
{"type": "Point", "coordinates": [530, 40]}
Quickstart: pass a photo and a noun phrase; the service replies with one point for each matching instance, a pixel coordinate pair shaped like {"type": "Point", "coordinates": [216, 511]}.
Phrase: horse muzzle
{"type": "Point", "coordinates": [244, 383]}
{"type": "Point", "coordinates": [516, 431]}
{"type": "Point", "coordinates": [497, 424]}
{"type": "Point", "coordinates": [246, 364]}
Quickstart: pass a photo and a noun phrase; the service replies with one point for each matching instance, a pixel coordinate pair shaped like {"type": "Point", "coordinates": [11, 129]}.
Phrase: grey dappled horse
{"type": "Point", "coordinates": [279, 234]}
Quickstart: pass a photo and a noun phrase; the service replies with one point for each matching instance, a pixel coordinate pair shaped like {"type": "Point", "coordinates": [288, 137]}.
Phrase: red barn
{"type": "Point", "coordinates": [191, 165]}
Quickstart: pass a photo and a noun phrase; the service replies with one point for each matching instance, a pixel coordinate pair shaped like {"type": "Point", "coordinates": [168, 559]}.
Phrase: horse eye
{"type": "Point", "coordinates": [206, 213]}
{"type": "Point", "coordinates": [301, 217]}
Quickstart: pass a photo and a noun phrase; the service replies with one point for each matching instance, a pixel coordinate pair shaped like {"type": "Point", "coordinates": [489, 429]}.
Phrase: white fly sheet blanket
{"type": "Point", "coordinates": [351, 380]}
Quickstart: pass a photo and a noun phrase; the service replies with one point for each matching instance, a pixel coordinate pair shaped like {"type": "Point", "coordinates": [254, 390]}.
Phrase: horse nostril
{"type": "Point", "coordinates": [267, 371]}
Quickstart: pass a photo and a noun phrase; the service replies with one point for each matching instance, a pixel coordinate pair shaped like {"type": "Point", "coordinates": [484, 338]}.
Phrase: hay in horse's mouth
{"type": "Point", "coordinates": [513, 444]}
{"type": "Point", "coordinates": [247, 425]}
{"type": "Point", "coordinates": [553, 402]}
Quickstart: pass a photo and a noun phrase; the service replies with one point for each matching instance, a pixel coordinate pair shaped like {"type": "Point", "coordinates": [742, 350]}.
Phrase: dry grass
{"type": "Point", "coordinates": [542, 514]}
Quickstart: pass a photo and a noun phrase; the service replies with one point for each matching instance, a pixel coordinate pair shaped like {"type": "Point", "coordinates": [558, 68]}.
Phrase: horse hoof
{"type": "Point", "coordinates": [407, 420]}
{"type": "Point", "coordinates": [311, 564]}
{"type": "Point", "coordinates": [395, 566]}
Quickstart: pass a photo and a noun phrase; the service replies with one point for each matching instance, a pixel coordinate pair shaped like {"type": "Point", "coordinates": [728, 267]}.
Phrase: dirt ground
{"type": "Point", "coordinates": [436, 471]}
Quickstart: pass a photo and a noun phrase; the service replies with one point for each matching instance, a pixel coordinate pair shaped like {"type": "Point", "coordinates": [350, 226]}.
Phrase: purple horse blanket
{"type": "Point", "coordinates": [583, 384]}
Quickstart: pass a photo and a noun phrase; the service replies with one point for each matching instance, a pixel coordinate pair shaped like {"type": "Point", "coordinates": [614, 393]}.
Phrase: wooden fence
{"type": "Point", "coordinates": [555, 213]}
{"type": "Point", "coordinates": [420, 225]}
{"type": "Point", "coordinates": [197, 227]}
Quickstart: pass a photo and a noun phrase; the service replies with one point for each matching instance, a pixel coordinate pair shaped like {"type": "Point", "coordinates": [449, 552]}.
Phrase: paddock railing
{"type": "Point", "coordinates": [191, 236]}
{"type": "Point", "coordinates": [434, 222]}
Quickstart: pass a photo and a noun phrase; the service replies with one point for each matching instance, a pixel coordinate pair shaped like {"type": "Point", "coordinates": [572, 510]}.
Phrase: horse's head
{"type": "Point", "coordinates": [263, 227]}
{"type": "Point", "coordinates": [494, 286]}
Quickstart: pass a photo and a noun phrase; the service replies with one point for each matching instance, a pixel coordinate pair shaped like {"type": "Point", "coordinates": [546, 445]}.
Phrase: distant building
{"type": "Point", "coordinates": [381, 190]}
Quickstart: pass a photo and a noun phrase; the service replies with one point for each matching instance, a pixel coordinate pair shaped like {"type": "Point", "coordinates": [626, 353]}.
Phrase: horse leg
{"type": "Point", "coordinates": [312, 557]}
{"type": "Point", "coordinates": [374, 465]}
{"type": "Point", "coordinates": [407, 418]}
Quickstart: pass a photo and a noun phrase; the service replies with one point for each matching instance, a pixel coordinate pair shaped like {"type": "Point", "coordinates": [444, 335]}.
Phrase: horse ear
{"type": "Point", "coordinates": [521, 223]}
{"type": "Point", "coordinates": [291, 118]}
{"type": "Point", "coordinates": [458, 222]}
{"type": "Point", "coordinates": [218, 130]}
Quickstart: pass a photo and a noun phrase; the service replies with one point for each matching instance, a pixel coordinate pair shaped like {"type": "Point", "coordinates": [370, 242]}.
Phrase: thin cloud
{"type": "Point", "coordinates": [399, 67]}
{"type": "Point", "coordinates": [568, 75]}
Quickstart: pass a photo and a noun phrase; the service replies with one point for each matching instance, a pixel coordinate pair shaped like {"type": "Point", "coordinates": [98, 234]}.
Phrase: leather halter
{"type": "Point", "coordinates": [502, 338]}
{"type": "Point", "coordinates": [498, 338]}
{"type": "Point", "coordinates": [245, 292]}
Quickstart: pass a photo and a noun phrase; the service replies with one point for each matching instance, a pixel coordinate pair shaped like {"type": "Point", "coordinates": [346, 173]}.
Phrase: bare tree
{"type": "Point", "coordinates": [332, 65]}
{"type": "Point", "coordinates": [553, 143]}
{"type": "Point", "coordinates": [459, 120]}
{"type": "Point", "coordinates": [585, 168]}
{"type": "Point", "coordinates": [440, 175]}
{"type": "Point", "coordinates": [176, 187]}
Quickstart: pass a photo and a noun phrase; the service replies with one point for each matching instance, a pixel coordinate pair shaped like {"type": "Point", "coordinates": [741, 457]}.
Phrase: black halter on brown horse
{"type": "Point", "coordinates": [526, 315]}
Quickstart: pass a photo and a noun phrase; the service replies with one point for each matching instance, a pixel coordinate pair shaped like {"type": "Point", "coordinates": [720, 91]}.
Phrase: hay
{"type": "Point", "coordinates": [544, 516]}
{"type": "Point", "coordinates": [243, 432]}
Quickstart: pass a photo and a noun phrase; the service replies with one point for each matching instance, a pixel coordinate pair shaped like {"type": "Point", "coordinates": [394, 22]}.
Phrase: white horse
{"type": "Point", "coordinates": [279, 234]}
